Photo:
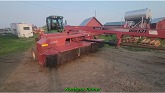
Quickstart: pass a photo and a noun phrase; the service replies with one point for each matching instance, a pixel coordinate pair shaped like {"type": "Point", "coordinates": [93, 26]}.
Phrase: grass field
{"type": "Point", "coordinates": [10, 43]}
{"type": "Point", "coordinates": [108, 37]}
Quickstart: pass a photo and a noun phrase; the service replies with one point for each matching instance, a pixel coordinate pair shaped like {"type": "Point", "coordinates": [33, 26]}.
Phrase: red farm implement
{"type": "Point", "coordinates": [73, 41]}
{"type": "Point", "coordinates": [56, 48]}
{"type": "Point", "coordinates": [52, 49]}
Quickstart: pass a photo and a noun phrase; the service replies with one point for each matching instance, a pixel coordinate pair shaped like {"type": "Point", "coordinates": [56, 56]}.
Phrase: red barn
{"type": "Point", "coordinates": [158, 23]}
{"type": "Point", "coordinates": [92, 21]}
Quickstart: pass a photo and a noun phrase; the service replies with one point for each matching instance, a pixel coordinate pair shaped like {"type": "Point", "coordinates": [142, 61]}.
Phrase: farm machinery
{"type": "Point", "coordinates": [55, 48]}
{"type": "Point", "coordinates": [54, 23]}
{"type": "Point", "coordinates": [73, 41]}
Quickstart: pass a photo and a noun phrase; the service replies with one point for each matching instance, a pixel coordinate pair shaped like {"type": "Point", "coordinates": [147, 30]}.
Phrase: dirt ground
{"type": "Point", "coordinates": [109, 69]}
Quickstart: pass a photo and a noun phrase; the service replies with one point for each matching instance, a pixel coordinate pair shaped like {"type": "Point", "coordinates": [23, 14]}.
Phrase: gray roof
{"type": "Point", "coordinates": [85, 21]}
{"type": "Point", "coordinates": [156, 20]}
{"type": "Point", "coordinates": [114, 23]}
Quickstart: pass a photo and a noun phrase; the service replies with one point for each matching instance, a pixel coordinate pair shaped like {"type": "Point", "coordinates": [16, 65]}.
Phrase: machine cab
{"type": "Point", "coordinates": [54, 24]}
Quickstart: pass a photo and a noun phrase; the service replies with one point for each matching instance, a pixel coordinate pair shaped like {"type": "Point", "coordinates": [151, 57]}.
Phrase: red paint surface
{"type": "Point", "coordinates": [161, 25]}
{"type": "Point", "coordinates": [93, 22]}
{"type": "Point", "coordinates": [73, 36]}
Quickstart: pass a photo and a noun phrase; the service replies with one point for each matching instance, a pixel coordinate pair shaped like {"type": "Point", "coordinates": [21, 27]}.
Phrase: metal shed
{"type": "Point", "coordinates": [92, 21]}
{"type": "Point", "coordinates": [115, 24]}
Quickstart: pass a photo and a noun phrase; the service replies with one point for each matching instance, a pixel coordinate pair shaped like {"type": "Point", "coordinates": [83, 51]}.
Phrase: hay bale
{"type": "Point", "coordinates": [135, 39]}
{"type": "Point", "coordinates": [152, 42]}
{"type": "Point", "coordinates": [157, 43]}
{"type": "Point", "coordinates": [143, 41]}
{"type": "Point", "coordinates": [147, 41]}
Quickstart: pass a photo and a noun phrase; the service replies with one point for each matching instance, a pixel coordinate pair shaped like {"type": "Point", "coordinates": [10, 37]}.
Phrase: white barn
{"type": "Point", "coordinates": [21, 29]}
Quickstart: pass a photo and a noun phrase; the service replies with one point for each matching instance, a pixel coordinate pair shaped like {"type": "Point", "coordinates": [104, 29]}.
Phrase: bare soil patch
{"type": "Point", "coordinates": [109, 69]}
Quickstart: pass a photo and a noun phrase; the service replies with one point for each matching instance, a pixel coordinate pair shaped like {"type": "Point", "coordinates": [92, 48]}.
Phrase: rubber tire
{"type": "Point", "coordinates": [33, 53]}
{"type": "Point", "coordinates": [51, 61]}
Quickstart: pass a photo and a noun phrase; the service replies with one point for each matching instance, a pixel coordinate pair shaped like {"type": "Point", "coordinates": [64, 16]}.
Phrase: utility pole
{"type": "Point", "coordinates": [95, 13]}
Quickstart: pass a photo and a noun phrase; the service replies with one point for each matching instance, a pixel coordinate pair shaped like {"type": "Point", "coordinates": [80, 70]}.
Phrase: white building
{"type": "Point", "coordinates": [21, 29]}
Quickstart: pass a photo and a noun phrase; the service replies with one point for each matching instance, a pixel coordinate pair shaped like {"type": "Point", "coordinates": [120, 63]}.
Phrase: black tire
{"type": "Point", "coordinates": [51, 61]}
{"type": "Point", "coordinates": [33, 53]}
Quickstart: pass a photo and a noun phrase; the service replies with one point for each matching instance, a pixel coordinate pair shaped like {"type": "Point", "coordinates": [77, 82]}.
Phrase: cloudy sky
{"type": "Point", "coordinates": [35, 12]}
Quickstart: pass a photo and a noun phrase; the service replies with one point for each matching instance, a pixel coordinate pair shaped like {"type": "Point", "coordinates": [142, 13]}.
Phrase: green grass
{"type": "Point", "coordinates": [10, 43]}
{"type": "Point", "coordinates": [108, 37]}
{"type": "Point", "coordinates": [162, 41]}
